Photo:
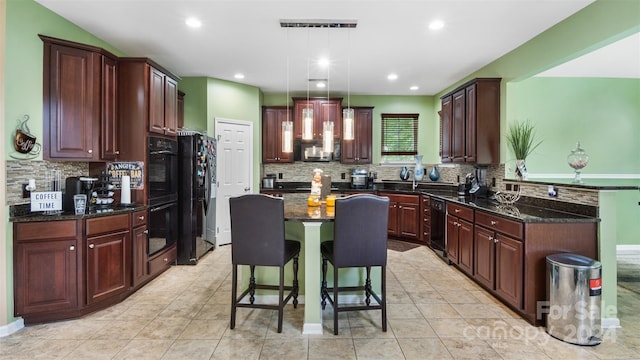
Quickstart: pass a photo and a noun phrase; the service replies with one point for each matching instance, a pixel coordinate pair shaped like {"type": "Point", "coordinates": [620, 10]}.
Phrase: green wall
{"type": "Point", "coordinates": [603, 114]}
{"type": "Point", "coordinates": [195, 102]}
{"type": "Point", "coordinates": [428, 124]}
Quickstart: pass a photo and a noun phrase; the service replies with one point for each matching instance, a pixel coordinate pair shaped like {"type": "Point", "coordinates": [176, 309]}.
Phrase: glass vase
{"type": "Point", "coordinates": [418, 171]}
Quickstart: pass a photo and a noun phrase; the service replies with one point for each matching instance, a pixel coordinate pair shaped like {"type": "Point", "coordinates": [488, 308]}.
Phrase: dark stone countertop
{"type": "Point", "coordinates": [67, 215]}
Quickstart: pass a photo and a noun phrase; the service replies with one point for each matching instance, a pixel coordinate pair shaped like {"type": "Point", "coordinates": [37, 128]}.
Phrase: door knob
{"type": "Point", "coordinates": [246, 189]}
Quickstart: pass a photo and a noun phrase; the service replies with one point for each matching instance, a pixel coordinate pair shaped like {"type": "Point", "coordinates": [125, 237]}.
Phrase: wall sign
{"type": "Point", "coordinates": [25, 144]}
{"type": "Point", "coordinates": [134, 169]}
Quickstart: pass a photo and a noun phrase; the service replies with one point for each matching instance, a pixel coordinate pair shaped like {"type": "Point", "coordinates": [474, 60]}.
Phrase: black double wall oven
{"type": "Point", "coordinates": [162, 185]}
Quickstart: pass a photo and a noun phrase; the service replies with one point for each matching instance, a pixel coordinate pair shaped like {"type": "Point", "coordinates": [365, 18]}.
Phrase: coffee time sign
{"type": "Point", "coordinates": [46, 201]}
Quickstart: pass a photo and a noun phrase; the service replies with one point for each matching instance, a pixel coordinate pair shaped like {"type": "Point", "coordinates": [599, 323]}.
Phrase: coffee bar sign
{"type": "Point", "coordinates": [133, 169]}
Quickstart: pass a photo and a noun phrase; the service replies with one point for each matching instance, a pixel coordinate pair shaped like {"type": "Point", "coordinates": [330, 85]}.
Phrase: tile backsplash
{"type": "Point", "coordinates": [20, 171]}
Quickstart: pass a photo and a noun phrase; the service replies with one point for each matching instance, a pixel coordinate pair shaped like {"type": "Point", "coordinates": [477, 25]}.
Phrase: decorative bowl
{"type": "Point", "coordinates": [507, 198]}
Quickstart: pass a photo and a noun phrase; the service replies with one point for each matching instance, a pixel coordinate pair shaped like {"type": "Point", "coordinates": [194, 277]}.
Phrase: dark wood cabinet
{"type": "Point", "coordinates": [459, 234]}
{"type": "Point", "coordinates": [140, 241]}
{"type": "Point", "coordinates": [272, 119]}
{"type": "Point", "coordinates": [163, 103]}
{"type": "Point", "coordinates": [45, 269]}
{"type": "Point", "coordinates": [358, 150]}
{"type": "Point", "coordinates": [404, 216]}
{"type": "Point", "coordinates": [499, 256]}
{"type": "Point", "coordinates": [109, 147]}
{"type": "Point", "coordinates": [80, 102]}
{"type": "Point", "coordinates": [323, 110]}
{"type": "Point", "coordinates": [470, 123]}
{"type": "Point", "coordinates": [108, 257]}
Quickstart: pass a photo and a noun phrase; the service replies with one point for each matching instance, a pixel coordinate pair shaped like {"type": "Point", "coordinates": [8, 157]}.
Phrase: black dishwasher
{"type": "Point", "coordinates": [438, 220]}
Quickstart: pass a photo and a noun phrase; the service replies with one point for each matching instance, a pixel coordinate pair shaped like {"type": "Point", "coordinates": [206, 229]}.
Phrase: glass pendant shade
{"type": "Point", "coordinates": [347, 120]}
{"type": "Point", "coordinates": [287, 136]}
{"type": "Point", "coordinates": [307, 124]}
{"type": "Point", "coordinates": [327, 136]}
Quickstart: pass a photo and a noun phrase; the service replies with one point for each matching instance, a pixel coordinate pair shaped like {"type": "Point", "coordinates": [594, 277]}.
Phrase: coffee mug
{"type": "Point", "coordinates": [25, 143]}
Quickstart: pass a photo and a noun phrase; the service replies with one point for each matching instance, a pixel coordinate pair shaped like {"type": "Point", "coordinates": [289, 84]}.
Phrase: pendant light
{"type": "Point", "coordinates": [347, 114]}
{"type": "Point", "coordinates": [327, 126]}
{"type": "Point", "coordinates": [287, 125]}
{"type": "Point", "coordinates": [307, 112]}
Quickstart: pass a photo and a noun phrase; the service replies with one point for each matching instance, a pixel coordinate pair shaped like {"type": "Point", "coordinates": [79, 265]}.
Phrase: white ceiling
{"type": "Point", "coordinates": [391, 37]}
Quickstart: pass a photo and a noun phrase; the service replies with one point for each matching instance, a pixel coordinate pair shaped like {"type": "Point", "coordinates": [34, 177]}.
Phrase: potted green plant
{"type": "Point", "coordinates": [522, 140]}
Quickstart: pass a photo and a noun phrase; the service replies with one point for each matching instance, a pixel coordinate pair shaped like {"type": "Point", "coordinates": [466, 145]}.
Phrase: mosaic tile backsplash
{"type": "Point", "coordinates": [19, 172]}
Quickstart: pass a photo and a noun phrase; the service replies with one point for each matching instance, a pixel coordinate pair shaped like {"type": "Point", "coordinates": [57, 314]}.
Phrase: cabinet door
{"type": "Point", "coordinates": [470, 120]}
{"type": "Point", "coordinates": [109, 116]}
{"type": "Point", "coordinates": [458, 126]}
{"type": "Point", "coordinates": [409, 220]}
{"type": "Point", "coordinates": [272, 120]}
{"type": "Point", "coordinates": [452, 239]}
{"type": "Point", "coordinates": [107, 266]}
{"type": "Point", "coordinates": [484, 257]}
{"type": "Point", "coordinates": [358, 150]}
{"type": "Point", "coordinates": [46, 276]}
{"type": "Point", "coordinates": [156, 101]}
{"type": "Point", "coordinates": [140, 243]}
{"type": "Point", "coordinates": [298, 106]}
{"type": "Point", "coordinates": [393, 218]}
{"type": "Point", "coordinates": [509, 269]}
{"type": "Point", "coordinates": [446, 117]}
{"type": "Point", "coordinates": [72, 103]}
{"type": "Point", "coordinates": [170, 107]}
{"type": "Point", "coordinates": [465, 246]}
{"type": "Point", "coordinates": [330, 110]}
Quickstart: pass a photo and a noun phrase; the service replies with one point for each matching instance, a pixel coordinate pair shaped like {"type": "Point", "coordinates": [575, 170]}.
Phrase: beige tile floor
{"type": "Point", "coordinates": [435, 312]}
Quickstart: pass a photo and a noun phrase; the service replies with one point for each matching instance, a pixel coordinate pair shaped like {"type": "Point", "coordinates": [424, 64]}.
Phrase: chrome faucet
{"type": "Point", "coordinates": [414, 185]}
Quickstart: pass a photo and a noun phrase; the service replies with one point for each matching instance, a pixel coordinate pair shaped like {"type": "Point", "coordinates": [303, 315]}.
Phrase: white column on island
{"type": "Point", "coordinates": [312, 310]}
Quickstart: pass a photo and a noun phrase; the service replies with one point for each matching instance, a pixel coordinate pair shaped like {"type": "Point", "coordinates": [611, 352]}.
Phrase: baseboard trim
{"type": "Point", "coordinates": [610, 323]}
{"type": "Point", "coordinates": [12, 327]}
{"type": "Point", "coordinates": [627, 247]}
{"type": "Point", "coordinates": [312, 329]}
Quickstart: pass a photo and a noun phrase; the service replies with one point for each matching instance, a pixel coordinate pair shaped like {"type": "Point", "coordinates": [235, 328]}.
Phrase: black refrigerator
{"type": "Point", "coordinates": [196, 195]}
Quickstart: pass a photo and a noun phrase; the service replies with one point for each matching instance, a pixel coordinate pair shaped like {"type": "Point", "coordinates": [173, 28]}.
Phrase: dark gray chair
{"type": "Point", "coordinates": [359, 240]}
{"type": "Point", "coordinates": [257, 239]}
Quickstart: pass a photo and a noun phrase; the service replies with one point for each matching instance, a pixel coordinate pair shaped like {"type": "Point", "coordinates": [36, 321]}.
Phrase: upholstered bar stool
{"type": "Point", "coordinates": [360, 241]}
{"type": "Point", "coordinates": [257, 239]}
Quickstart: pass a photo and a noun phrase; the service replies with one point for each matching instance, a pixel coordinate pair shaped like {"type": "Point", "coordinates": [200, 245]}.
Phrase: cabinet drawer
{"type": "Point", "coordinates": [500, 224]}
{"type": "Point", "coordinates": [107, 224]}
{"type": "Point", "coordinates": [407, 199]}
{"type": "Point", "coordinates": [460, 211]}
{"type": "Point", "coordinates": [162, 260]}
{"type": "Point", "coordinates": [45, 230]}
{"type": "Point", "coordinates": [139, 218]}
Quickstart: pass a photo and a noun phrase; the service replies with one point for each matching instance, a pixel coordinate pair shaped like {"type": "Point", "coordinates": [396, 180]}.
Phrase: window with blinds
{"type": "Point", "coordinates": [399, 136]}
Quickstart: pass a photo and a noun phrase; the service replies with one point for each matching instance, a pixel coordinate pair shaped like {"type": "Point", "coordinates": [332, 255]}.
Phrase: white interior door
{"type": "Point", "coordinates": [235, 169]}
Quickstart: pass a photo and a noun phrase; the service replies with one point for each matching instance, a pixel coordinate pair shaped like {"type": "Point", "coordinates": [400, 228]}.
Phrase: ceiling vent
{"type": "Point", "coordinates": [318, 23]}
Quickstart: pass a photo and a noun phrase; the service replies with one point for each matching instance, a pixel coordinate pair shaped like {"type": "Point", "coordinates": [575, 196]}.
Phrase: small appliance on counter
{"type": "Point", "coordinates": [269, 181]}
{"type": "Point", "coordinates": [477, 184]}
{"type": "Point", "coordinates": [359, 178]}
{"type": "Point", "coordinates": [72, 186]}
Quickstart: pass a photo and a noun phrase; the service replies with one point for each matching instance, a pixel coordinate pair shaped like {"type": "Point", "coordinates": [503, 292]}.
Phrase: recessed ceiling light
{"type": "Point", "coordinates": [193, 22]}
{"type": "Point", "coordinates": [436, 25]}
{"type": "Point", "coordinates": [321, 85]}
{"type": "Point", "coordinates": [414, 88]}
{"type": "Point", "coordinates": [239, 76]}
{"type": "Point", "coordinates": [392, 76]}
{"type": "Point", "coordinates": [323, 62]}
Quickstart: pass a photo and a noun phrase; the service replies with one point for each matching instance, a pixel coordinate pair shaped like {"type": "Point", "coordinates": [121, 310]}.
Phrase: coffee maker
{"type": "Point", "coordinates": [72, 186]}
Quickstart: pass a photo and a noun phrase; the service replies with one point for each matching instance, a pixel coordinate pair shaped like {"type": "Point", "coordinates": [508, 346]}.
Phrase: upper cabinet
{"type": "Point", "coordinates": [80, 106]}
{"type": "Point", "coordinates": [163, 103]}
{"type": "Point", "coordinates": [272, 119]}
{"type": "Point", "coordinates": [358, 150]}
{"type": "Point", "coordinates": [470, 123]}
{"type": "Point", "coordinates": [323, 110]}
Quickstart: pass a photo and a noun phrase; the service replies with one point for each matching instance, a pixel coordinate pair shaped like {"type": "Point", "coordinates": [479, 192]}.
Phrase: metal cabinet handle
{"type": "Point", "coordinates": [165, 260]}
{"type": "Point", "coordinates": [146, 231]}
{"type": "Point", "coordinates": [140, 217]}
{"type": "Point", "coordinates": [117, 152]}
{"type": "Point", "coordinates": [90, 151]}
{"type": "Point", "coordinates": [493, 222]}
{"type": "Point", "coordinates": [91, 246]}
{"type": "Point", "coordinates": [71, 248]}
{"type": "Point", "coordinates": [456, 210]}
{"type": "Point", "coordinates": [495, 241]}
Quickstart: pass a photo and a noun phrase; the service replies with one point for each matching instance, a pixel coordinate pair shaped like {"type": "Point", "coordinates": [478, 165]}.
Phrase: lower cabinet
{"type": "Point", "coordinates": [108, 257]}
{"type": "Point", "coordinates": [459, 236]}
{"type": "Point", "coordinates": [46, 267]}
{"type": "Point", "coordinates": [404, 216]}
{"type": "Point", "coordinates": [64, 269]}
{"type": "Point", "coordinates": [426, 219]}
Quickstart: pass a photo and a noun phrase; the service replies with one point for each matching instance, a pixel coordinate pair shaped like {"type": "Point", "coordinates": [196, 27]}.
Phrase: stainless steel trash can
{"type": "Point", "coordinates": [575, 286]}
